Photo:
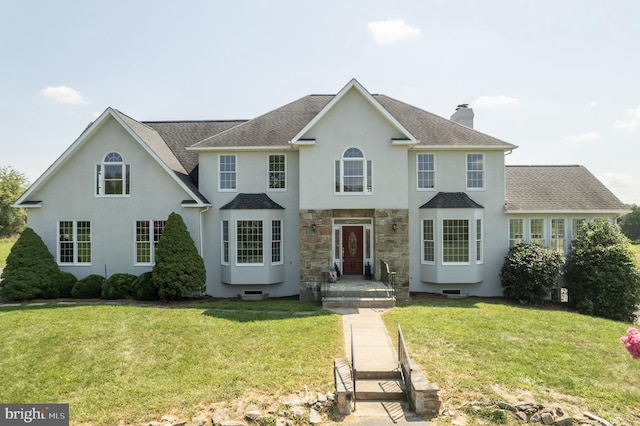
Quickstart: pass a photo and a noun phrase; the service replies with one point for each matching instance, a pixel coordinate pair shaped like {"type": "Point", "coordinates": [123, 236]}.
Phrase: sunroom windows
{"type": "Point", "coordinates": [113, 176]}
{"type": "Point", "coordinates": [353, 173]}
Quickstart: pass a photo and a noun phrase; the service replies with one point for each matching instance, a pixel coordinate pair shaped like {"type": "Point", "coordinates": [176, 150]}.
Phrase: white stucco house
{"type": "Point", "coordinates": [347, 179]}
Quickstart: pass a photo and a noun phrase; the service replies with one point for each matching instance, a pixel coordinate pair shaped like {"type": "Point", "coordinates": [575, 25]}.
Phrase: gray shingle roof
{"type": "Point", "coordinates": [451, 200]}
{"type": "Point", "coordinates": [557, 188]}
{"type": "Point", "coordinates": [252, 202]}
{"type": "Point", "coordinates": [180, 134]}
{"type": "Point", "coordinates": [275, 128]}
{"type": "Point", "coordinates": [278, 127]}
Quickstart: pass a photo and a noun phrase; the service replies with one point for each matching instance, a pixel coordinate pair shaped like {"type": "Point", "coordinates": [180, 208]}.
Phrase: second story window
{"type": "Point", "coordinates": [277, 172]}
{"type": "Point", "coordinates": [353, 173]}
{"type": "Point", "coordinates": [113, 176]}
{"type": "Point", "coordinates": [475, 171]}
{"type": "Point", "coordinates": [426, 171]}
{"type": "Point", "coordinates": [227, 173]}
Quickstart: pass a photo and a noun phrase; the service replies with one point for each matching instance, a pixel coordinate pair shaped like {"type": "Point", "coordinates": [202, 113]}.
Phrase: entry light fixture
{"type": "Point", "coordinates": [314, 227]}
{"type": "Point", "coordinates": [394, 227]}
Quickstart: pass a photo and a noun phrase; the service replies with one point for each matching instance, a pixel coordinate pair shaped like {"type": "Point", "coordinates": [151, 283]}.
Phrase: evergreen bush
{"type": "Point", "coordinates": [529, 272]}
{"type": "Point", "coordinates": [89, 287]}
{"type": "Point", "coordinates": [601, 274]}
{"type": "Point", "coordinates": [65, 282]}
{"type": "Point", "coordinates": [179, 270]}
{"type": "Point", "coordinates": [144, 288]}
{"type": "Point", "coordinates": [118, 286]}
{"type": "Point", "coordinates": [30, 270]}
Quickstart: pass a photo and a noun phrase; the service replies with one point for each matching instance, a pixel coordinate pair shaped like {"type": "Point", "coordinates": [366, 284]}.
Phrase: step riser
{"type": "Point", "coordinates": [380, 396]}
{"type": "Point", "coordinates": [378, 375]}
{"type": "Point", "coordinates": [369, 293]}
{"type": "Point", "coordinates": [376, 303]}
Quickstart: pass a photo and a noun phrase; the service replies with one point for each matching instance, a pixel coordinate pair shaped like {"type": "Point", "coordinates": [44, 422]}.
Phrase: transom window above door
{"type": "Point", "coordinates": [113, 176]}
{"type": "Point", "coordinates": [353, 173]}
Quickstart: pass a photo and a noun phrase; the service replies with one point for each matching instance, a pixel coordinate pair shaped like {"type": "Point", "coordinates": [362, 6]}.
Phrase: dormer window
{"type": "Point", "coordinates": [353, 173]}
{"type": "Point", "coordinates": [113, 176]}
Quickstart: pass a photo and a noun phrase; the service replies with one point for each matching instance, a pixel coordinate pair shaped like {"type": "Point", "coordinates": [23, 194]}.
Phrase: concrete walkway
{"type": "Point", "coordinates": [374, 351]}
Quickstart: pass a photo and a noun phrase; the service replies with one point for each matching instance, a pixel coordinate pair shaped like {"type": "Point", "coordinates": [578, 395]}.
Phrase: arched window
{"type": "Point", "coordinates": [353, 173]}
{"type": "Point", "coordinates": [112, 176]}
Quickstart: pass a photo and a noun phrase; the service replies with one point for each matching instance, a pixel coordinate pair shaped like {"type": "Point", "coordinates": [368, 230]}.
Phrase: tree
{"type": "Point", "coordinates": [630, 223]}
{"type": "Point", "coordinates": [601, 274]}
{"type": "Point", "coordinates": [530, 272]}
{"type": "Point", "coordinates": [179, 269]}
{"type": "Point", "coordinates": [12, 185]}
{"type": "Point", "coordinates": [31, 270]}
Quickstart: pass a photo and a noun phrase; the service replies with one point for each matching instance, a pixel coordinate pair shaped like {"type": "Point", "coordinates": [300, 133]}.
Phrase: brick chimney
{"type": "Point", "coordinates": [463, 115]}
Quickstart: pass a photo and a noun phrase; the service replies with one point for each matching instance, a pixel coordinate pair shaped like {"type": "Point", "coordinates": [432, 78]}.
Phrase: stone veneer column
{"type": "Point", "coordinates": [315, 251]}
{"type": "Point", "coordinates": [393, 246]}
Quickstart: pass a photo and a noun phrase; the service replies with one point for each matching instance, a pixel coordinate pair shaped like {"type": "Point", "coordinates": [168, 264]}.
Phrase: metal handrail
{"type": "Point", "coordinates": [353, 369]}
{"type": "Point", "coordinates": [404, 360]}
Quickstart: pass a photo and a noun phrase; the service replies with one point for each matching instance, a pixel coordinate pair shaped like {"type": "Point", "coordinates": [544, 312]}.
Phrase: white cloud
{"type": "Point", "coordinates": [392, 31]}
{"type": "Point", "coordinates": [64, 95]}
{"type": "Point", "coordinates": [592, 104]}
{"type": "Point", "coordinates": [494, 101]}
{"type": "Point", "coordinates": [633, 120]}
{"type": "Point", "coordinates": [583, 137]}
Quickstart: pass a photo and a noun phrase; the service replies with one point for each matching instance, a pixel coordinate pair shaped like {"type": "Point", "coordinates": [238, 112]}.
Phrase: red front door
{"type": "Point", "coordinates": [352, 253]}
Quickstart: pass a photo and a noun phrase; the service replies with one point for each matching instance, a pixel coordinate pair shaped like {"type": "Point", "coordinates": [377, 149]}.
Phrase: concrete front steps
{"type": "Point", "coordinates": [379, 386]}
{"type": "Point", "coordinates": [357, 293]}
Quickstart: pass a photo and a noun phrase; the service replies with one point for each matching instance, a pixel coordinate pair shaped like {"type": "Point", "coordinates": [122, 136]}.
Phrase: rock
{"type": "Point", "coordinates": [291, 401]}
{"type": "Point", "coordinates": [199, 421]}
{"type": "Point", "coordinates": [173, 420]}
{"type": "Point", "coordinates": [232, 423]}
{"type": "Point", "coordinates": [252, 415]}
{"type": "Point", "coordinates": [298, 411]}
{"type": "Point", "coordinates": [505, 406]}
{"type": "Point", "coordinates": [559, 412]}
{"type": "Point", "coordinates": [154, 423]}
{"type": "Point", "coordinates": [547, 418]}
{"type": "Point", "coordinates": [521, 416]}
{"type": "Point", "coordinates": [568, 421]}
{"type": "Point", "coordinates": [535, 418]}
{"type": "Point", "coordinates": [314, 417]}
{"type": "Point", "coordinates": [322, 397]}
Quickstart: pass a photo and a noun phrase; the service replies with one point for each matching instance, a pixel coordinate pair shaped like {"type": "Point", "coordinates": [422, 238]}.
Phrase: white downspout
{"type": "Point", "coordinates": [201, 233]}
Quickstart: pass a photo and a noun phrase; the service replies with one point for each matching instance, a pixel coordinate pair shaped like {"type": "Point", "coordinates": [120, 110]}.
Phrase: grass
{"type": "Point", "coordinates": [5, 248]}
{"type": "Point", "coordinates": [134, 364]}
{"type": "Point", "coordinates": [484, 350]}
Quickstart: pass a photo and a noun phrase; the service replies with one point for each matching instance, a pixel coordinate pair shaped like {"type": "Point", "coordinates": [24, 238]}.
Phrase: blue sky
{"type": "Point", "coordinates": [560, 79]}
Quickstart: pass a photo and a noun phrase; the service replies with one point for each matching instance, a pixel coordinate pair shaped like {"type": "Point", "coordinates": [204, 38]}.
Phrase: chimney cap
{"type": "Point", "coordinates": [462, 106]}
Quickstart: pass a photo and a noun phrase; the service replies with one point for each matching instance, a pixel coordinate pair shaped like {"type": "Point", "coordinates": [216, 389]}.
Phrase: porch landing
{"type": "Point", "coordinates": [354, 291]}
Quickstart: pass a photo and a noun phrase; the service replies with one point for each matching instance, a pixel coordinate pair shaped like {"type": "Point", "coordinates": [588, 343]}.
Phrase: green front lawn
{"type": "Point", "coordinates": [135, 364]}
{"type": "Point", "coordinates": [484, 350]}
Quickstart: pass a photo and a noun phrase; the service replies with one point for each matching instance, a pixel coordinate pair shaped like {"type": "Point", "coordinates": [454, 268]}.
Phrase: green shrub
{"type": "Point", "coordinates": [601, 274]}
{"type": "Point", "coordinates": [179, 269]}
{"type": "Point", "coordinates": [118, 286]}
{"type": "Point", "coordinates": [89, 287]}
{"type": "Point", "coordinates": [143, 287]}
{"type": "Point", "coordinates": [529, 272]}
{"type": "Point", "coordinates": [65, 282]}
{"type": "Point", "coordinates": [30, 269]}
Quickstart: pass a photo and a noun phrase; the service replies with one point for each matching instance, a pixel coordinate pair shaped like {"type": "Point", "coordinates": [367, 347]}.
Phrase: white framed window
{"type": "Point", "coordinates": [276, 241]}
{"type": "Point", "coordinates": [74, 242]}
{"type": "Point", "coordinates": [557, 235]}
{"type": "Point", "coordinates": [227, 173]}
{"type": "Point", "coordinates": [577, 227]}
{"type": "Point", "coordinates": [426, 171]}
{"type": "Point", "coordinates": [455, 241]}
{"type": "Point", "coordinates": [516, 232]}
{"type": "Point", "coordinates": [225, 242]}
{"type": "Point", "coordinates": [277, 172]}
{"type": "Point", "coordinates": [147, 235]}
{"type": "Point", "coordinates": [113, 176]}
{"type": "Point", "coordinates": [353, 173]}
{"type": "Point", "coordinates": [249, 242]}
{"type": "Point", "coordinates": [536, 232]}
{"type": "Point", "coordinates": [475, 171]}
{"type": "Point", "coordinates": [428, 241]}
{"type": "Point", "coordinates": [479, 251]}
